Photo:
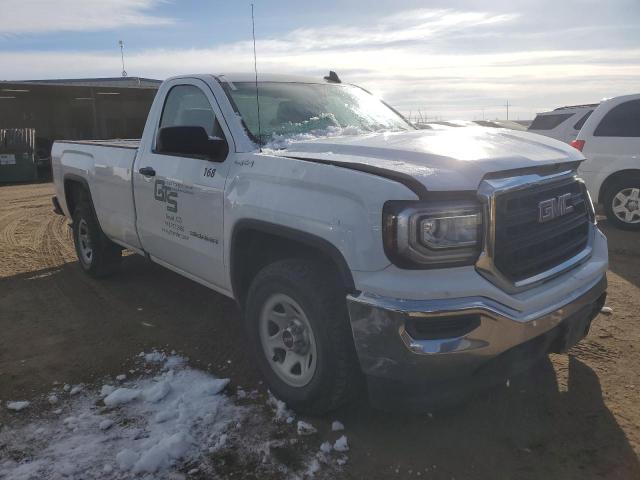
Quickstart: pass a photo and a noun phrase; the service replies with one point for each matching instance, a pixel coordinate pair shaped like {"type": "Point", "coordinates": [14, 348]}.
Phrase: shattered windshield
{"type": "Point", "coordinates": [305, 110]}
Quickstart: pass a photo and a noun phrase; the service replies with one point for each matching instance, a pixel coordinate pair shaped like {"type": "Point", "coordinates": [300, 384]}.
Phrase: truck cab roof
{"type": "Point", "coordinates": [262, 77]}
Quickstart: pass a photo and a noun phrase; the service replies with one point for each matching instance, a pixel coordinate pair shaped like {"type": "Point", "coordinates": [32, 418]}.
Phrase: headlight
{"type": "Point", "coordinates": [433, 234]}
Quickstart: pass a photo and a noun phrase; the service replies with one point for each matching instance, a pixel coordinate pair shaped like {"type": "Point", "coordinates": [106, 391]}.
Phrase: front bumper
{"type": "Point", "coordinates": [387, 351]}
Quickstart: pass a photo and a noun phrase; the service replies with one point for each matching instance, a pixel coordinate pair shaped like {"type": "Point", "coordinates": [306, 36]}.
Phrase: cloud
{"type": "Point", "coordinates": [46, 16]}
{"type": "Point", "coordinates": [407, 26]}
{"type": "Point", "coordinates": [402, 58]}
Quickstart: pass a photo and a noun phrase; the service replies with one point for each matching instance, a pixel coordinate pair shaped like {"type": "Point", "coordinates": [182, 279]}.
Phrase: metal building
{"type": "Point", "coordinates": [81, 109]}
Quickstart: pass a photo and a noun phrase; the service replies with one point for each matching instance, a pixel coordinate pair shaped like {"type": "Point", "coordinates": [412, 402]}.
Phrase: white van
{"type": "Point", "coordinates": [610, 140]}
{"type": "Point", "coordinates": [563, 123]}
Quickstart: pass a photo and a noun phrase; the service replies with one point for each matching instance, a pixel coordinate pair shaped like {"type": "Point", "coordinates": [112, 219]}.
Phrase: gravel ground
{"type": "Point", "coordinates": [574, 416]}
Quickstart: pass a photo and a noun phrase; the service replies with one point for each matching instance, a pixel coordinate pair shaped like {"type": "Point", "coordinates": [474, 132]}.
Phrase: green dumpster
{"type": "Point", "coordinates": [18, 155]}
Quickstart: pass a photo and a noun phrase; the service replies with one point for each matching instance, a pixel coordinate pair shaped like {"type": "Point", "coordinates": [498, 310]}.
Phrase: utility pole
{"type": "Point", "coordinates": [121, 43]}
{"type": "Point", "coordinates": [507, 105]}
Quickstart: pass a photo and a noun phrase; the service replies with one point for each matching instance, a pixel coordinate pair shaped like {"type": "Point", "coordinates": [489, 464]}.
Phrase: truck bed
{"type": "Point", "coordinates": [117, 143]}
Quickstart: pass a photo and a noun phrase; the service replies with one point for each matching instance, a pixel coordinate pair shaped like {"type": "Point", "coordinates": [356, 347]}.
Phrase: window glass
{"type": "Point", "coordinates": [622, 121]}
{"type": "Point", "coordinates": [549, 122]}
{"type": "Point", "coordinates": [188, 106]}
{"type": "Point", "coordinates": [288, 108]}
{"type": "Point", "coordinates": [580, 123]}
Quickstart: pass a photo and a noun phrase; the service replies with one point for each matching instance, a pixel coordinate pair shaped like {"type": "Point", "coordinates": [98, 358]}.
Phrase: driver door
{"type": "Point", "coordinates": [179, 197]}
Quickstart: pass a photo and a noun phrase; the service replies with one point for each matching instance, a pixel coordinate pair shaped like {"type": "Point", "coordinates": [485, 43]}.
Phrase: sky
{"type": "Point", "coordinates": [448, 59]}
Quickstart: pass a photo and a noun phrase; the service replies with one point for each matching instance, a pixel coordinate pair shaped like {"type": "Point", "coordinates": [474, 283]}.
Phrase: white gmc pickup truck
{"type": "Point", "coordinates": [424, 262]}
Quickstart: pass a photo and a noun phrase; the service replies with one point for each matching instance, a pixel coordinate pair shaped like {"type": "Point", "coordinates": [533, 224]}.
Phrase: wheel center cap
{"type": "Point", "coordinates": [288, 339]}
{"type": "Point", "coordinates": [633, 205]}
{"type": "Point", "coordinates": [295, 339]}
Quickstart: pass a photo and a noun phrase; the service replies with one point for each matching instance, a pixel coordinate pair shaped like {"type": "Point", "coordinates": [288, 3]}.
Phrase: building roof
{"type": "Point", "coordinates": [120, 82]}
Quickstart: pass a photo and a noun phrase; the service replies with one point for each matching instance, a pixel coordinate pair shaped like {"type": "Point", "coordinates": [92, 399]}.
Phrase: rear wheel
{"type": "Point", "coordinates": [98, 256]}
{"type": "Point", "coordinates": [298, 326]}
{"type": "Point", "coordinates": [622, 204]}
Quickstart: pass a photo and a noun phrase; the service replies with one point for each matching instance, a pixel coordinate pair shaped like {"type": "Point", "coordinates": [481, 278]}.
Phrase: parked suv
{"type": "Point", "coordinates": [610, 139]}
{"type": "Point", "coordinates": [563, 123]}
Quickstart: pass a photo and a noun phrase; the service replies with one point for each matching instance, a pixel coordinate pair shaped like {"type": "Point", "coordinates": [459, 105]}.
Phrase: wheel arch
{"type": "Point", "coordinates": [256, 243]}
{"type": "Point", "coordinates": [73, 187]}
{"type": "Point", "coordinates": [613, 178]}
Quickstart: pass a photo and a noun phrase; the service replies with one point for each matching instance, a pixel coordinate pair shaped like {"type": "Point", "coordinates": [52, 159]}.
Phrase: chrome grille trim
{"type": "Point", "coordinates": [488, 192]}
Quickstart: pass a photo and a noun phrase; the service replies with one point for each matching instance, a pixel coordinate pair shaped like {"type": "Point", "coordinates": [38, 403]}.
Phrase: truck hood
{"type": "Point", "coordinates": [445, 160]}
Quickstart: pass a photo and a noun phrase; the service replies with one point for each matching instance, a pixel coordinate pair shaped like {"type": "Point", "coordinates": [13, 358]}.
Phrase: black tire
{"type": "Point", "coordinates": [314, 287]}
{"type": "Point", "coordinates": [609, 200]}
{"type": "Point", "coordinates": [105, 256]}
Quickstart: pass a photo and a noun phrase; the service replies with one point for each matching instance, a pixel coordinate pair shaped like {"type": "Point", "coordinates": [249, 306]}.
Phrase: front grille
{"type": "Point", "coordinates": [524, 247]}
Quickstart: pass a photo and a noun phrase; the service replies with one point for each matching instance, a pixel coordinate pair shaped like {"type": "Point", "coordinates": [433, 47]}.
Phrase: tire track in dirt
{"type": "Point", "coordinates": [31, 233]}
{"type": "Point", "coordinates": [8, 231]}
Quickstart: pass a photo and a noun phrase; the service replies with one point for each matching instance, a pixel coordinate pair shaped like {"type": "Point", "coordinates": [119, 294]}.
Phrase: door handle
{"type": "Point", "coordinates": [147, 172]}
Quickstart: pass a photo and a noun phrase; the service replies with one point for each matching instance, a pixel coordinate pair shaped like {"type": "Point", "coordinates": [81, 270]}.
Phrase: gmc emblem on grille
{"type": "Point", "coordinates": [554, 207]}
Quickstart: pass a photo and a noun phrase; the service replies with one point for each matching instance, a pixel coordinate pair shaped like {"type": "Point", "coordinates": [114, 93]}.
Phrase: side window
{"type": "Point", "coordinates": [622, 121]}
{"type": "Point", "coordinates": [188, 106]}
{"type": "Point", "coordinates": [580, 123]}
{"type": "Point", "coordinates": [549, 122]}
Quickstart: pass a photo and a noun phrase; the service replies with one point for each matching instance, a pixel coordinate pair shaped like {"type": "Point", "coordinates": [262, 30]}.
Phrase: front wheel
{"type": "Point", "coordinates": [622, 204]}
{"type": "Point", "coordinates": [298, 326]}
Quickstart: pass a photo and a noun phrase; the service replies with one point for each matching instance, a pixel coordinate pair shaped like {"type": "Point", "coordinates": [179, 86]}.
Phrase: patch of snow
{"type": "Point", "coordinates": [52, 399]}
{"type": "Point", "coordinates": [343, 460]}
{"type": "Point", "coordinates": [76, 389]}
{"type": "Point", "coordinates": [337, 426]}
{"type": "Point", "coordinates": [281, 411]}
{"type": "Point", "coordinates": [154, 357]}
{"type": "Point", "coordinates": [152, 427]}
{"type": "Point", "coordinates": [174, 361]}
{"type": "Point", "coordinates": [126, 459]}
{"type": "Point", "coordinates": [106, 424]}
{"type": "Point", "coordinates": [326, 447]}
{"type": "Point", "coordinates": [121, 378]}
{"type": "Point", "coordinates": [317, 127]}
{"type": "Point", "coordinates": [341, 444]}
{"type": "Point", "coordinates": [220, 442]}
{"type": "Point", "coordinates": [313, 468]}
{"type": "Point", "coordinates": [157, 392]}
{"type": "Point", "coordinates": [66, 387]}
{"type": "Point", "coordinates": [107, 390]}
{"type": "Point", "coordinates": [93, 440]}
{"type": "Point", "coordinates": [121, 395]}
{"type": "Point", "coordinates": [305, 428]}
{"type": "Point", "coordinates": [16, 406]}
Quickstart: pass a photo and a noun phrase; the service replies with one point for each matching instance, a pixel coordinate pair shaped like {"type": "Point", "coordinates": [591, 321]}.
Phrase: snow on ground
{"type": "Point", "coordinates": [341, 444]}
{"type": "Point", "coordinates": [18, 405]}
{"type": "Point", "coordinates": [337, 426]}
{"type": "Point", "coordinates": [175, 422]}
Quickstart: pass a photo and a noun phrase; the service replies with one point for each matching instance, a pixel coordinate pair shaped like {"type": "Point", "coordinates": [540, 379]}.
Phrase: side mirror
{"type": "Point", "coordinates": [191, 141]}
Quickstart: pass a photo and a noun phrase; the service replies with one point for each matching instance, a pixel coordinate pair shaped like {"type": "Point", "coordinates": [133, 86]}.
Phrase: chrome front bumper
{"type": "Point", "coordinates": [387, 350]}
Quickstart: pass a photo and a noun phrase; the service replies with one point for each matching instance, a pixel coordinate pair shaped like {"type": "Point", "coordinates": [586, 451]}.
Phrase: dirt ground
{"type": "Point", "coordinates": [575, 416]}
